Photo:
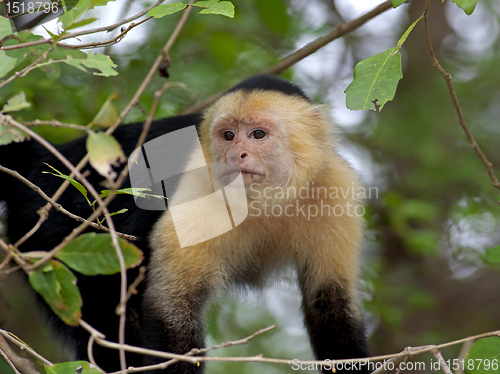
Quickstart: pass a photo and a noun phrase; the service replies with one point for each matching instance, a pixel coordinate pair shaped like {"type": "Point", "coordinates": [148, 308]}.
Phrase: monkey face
{"type": "Point", "coordinates": [255, 145]}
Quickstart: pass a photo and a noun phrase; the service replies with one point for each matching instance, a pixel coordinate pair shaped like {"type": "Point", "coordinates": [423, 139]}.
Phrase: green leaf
{"type": "Point", "coordinates": [494, 254]}
{"type": "Point", "coordinates": [52, 35]}
{"type": "Point", "coordinates": [5, 28]}
{"type": "Point", "coordinates": [468, 6]}
{"type": "Point", "coordinates": [93, 254]}
{"type": "Point", "coordinates": [10, 134]}
{"type": "Point", "coordinates": [484, 353]}
{"type": "Point", "coordinates": [121, 211]}
{"type": "Point", "coordinates": [94, 61]}
{"type": "Point", "coordinates": [407, 32]}
{"type": "Point", "coordinates": [206, 4]}
{"type": "Point", "coordinates": [16, 103]}
{"type": "Point", "coordinates": [6, 63]}
{"type": "Point", "coordinates": [225, 8]}
{"type": "Point", "coordinates": [396, 3]}
{"type": "Point", "coordinates": [84, 22]}
{"type": "Point", "coordinates": [75, 184]}
{"type": "Point", "coordinates": [57, 285]}
{"type": "Point", "coordinates": [140, 192]}
{"type": "Point", "coordinates": [71, 368]}
{"type": "Point", "coordinates": [126, 191]}
{"type": "Point", "coordinates": [94, 3]}
{"type": "Point", "coordinates": [104, 152]}
{"type": "Point", "coordinates": [107, 115]}
{"type": "Point", "coordinates": [375, 81]}
{"type": "Point", "coordinates": [166, 9]}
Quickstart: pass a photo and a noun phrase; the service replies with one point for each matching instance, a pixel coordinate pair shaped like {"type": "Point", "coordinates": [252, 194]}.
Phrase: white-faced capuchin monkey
{"type": "Point", "coordinates": [301, 214]}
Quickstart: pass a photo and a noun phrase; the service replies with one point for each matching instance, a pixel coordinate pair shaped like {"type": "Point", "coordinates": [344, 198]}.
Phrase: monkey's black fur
{"type": "Point", "coordinates": [269, 83]}
{"type": "Point", "coordinates": [334, 332]}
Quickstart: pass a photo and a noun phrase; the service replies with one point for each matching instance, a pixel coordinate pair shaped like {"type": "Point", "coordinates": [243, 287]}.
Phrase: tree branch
{"type": "Point", "coordinates": [461, 118]}
{"type": "Point", "coordinates": [42, 211]}
{"type": "Point", "coordinates": [305, 51]}
{"type": "Point", "coordinates": [7, 335]}
{"type": "Point", "coordinates": [86, 32]}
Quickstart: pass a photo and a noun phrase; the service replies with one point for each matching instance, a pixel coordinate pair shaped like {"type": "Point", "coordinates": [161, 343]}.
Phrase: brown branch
{"type": "Point", "coordinates": [6, 260]}
{"type": "Point", "coordinates": [461, 355]}
{"type": "Point", "coordinates": [196, 351]}
{"type": "Point", "coordinates": [442, 363]}
{"type": "Point", "coordinates": [43, 217]}
{"type": "Point", "coordinates": [7, 335]}
{"type": "Point", "coordinates": [410, 351]}
{"type": "Point", "coordinates": [56, 123]}
{"type": "Point", "coordinates": [132, 103]}
{"type": "Point", "coordinates": [56, 206]}
{"type": "Point", "coordinates": [105, 43]}
{"type": "Point", "coordinates": [157, 96]}
{"type": "Point", "coordinates": [28, 68]}
{"type": "Point", "coordinates": [86, 32]}
{"type": "Point", "coordinates": [461, 118]}
{"type": "Point", "coordinates": [102, 207]}
{"type": "Point", "coordinates": [34, 64]}
{"type": "Point", "coordinates": [11, 251]}
{"type": "Point", "coordinates": [305, 51]}
{"type": "Point", "coordinates": [5, 352]}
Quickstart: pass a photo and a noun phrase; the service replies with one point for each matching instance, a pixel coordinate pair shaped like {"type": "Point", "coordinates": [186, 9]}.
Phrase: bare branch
{"type": "Point", "coordinates": [461, 355]}
{"type": "Point", "coordinates": [442, 362]}
{"type": "Point", "coordinates": [7, 335]}
{"type": "Point", "coordinates": [28, 68]}
{"type": "Point", "coordinates": [4, 348]}
{"type": "Point", "coordinates": [461, 118]}
{"type": "Point", "coordinates": [305, 51]}
{"type": "Point", "coordinates": [11, 251]}
{"type": "Point", "coordinates": [196, 351]}
{"type": "Point", "coordinates": [102, 207]}
{"type": "Point", "coordinates": [56, 123]}
{"type": "Point", "coordinates": [410, 351]}
{"type": "Point", "coordinates": [86, 32]}
{"type": "Point", "coordinates": [105, 43]}
{"type": "Point", "coordinates": [42, 211]}
{"type": "Point", "coordinates": [43, 217]}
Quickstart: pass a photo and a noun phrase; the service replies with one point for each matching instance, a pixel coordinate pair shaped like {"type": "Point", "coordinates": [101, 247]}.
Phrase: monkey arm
{"type": "Point", "coordinates": [334, 324]}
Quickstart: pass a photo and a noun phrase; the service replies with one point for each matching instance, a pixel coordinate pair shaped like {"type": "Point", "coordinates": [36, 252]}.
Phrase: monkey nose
{"type": "Point", "coordinates": [243, 154]}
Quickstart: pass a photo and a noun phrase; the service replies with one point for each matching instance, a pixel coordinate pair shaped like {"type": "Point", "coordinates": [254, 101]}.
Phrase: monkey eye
{"type": "Point", "coordinates": [229, 135]}
{"type": "Point", "coordinates": [259, 134]}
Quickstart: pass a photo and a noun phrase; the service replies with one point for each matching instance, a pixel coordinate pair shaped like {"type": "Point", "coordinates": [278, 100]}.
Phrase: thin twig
{"type": "Point", "coordinates": [131, 104]}
{"type": "Point", "coordinates": [105, 43]}
{"type": "Point", "coordinates": [196, 351]}
{"type": "Point", "coordinates": [57, 206]}
{"type": "Point", "coordinates": [157, 96]}
{"type": "Point", "coordinates": [86, 32]}
{"type": "Point", "coordinates": [90, 353]}
{"type": "Point", "coordinates": [461, 355]}
{"type": "Point", "coordinates": [7, 335]}
{"type": "Point", "coordinates": [56, 123]}
{"type": "Point", "coordinates": [44, 215]}
{"type": "Point", "coordinates": [442, 363]}
{"type": "Point", "coordinates": [28, 68]}
{"type": "Point", "coordinates": [102, 206]}
{"type": "Point", "coordinates": [6, 260]}
{"type": "Point", "coordinates": [11, 250]}
{"type": "Point", "coordinates": [411, 351]}
{"type": "Point", "coordinates": [35, 64]}
{"type": "Point", "coordinates": [461, 118]}
{"type": "Point", "coordinates": [305, 51]}
{"type": "Point", "coordinates": [6, 358]}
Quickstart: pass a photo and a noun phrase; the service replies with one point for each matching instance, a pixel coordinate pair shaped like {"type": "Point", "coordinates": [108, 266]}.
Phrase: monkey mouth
{"type": "Point", "coordinates": [249, 176]}
{"type": "Point", "coordinates": [252, 177]}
